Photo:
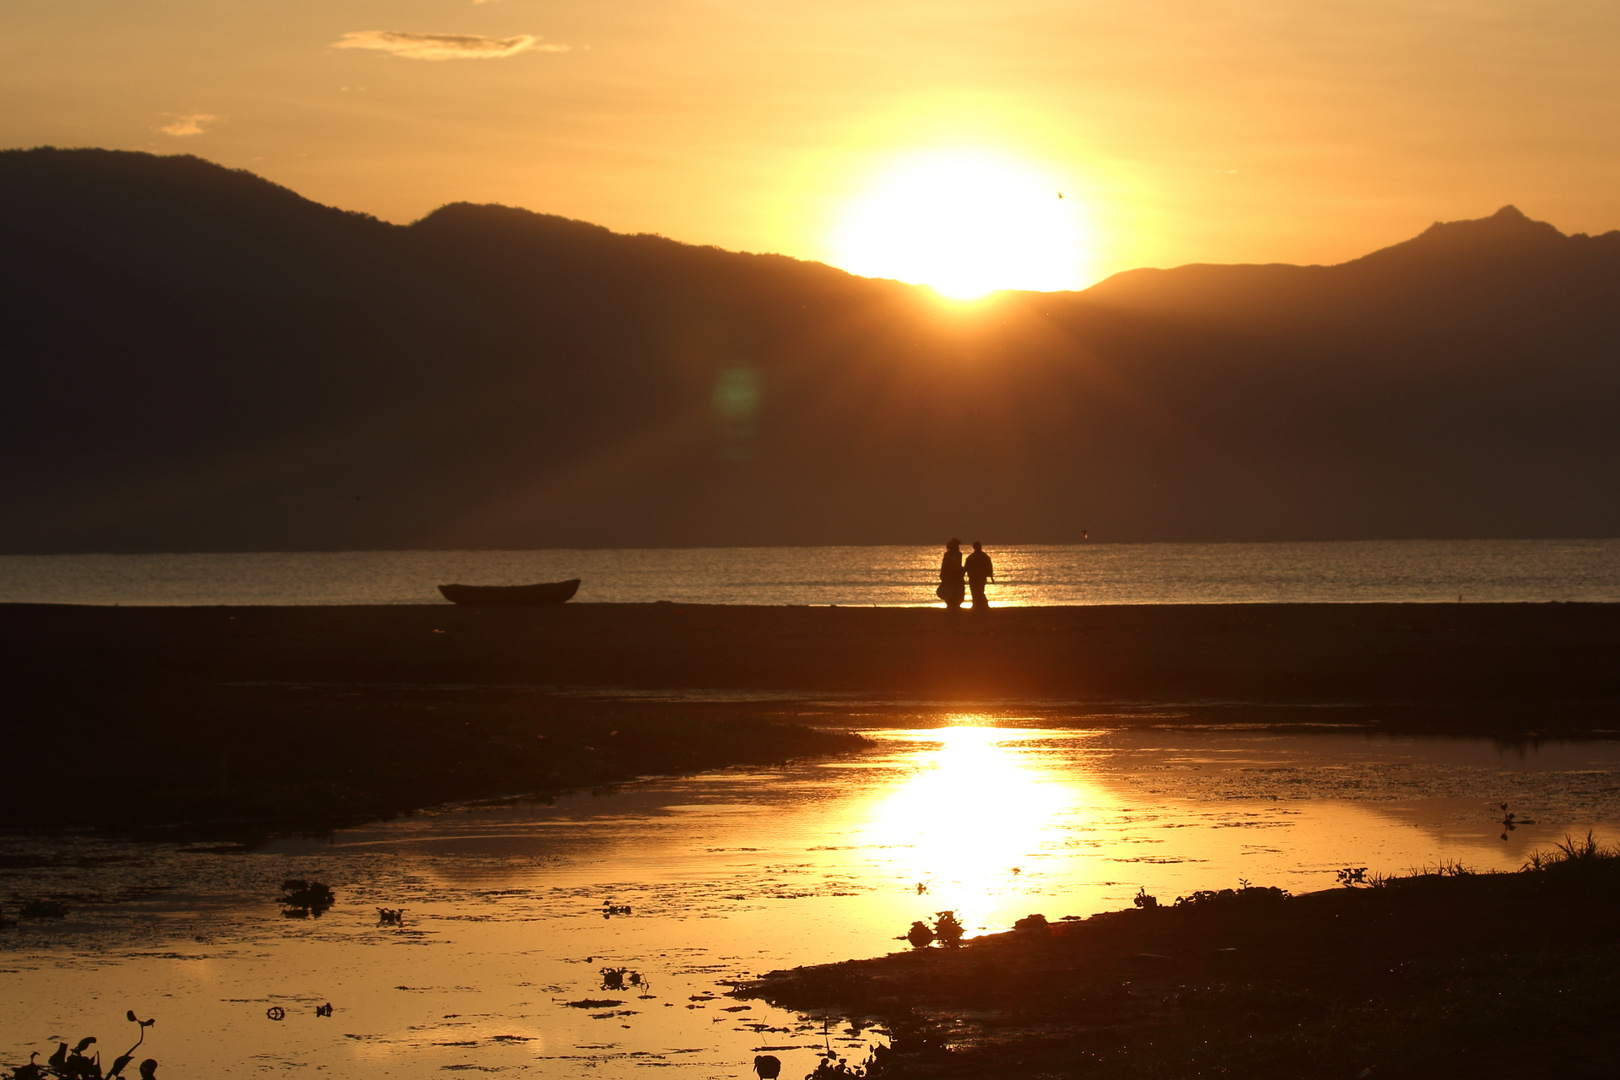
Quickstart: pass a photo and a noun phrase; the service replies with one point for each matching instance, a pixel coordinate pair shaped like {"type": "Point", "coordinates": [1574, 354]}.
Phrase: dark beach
{"type": "Point", "coordinates": [247, 720]}
{"type": "Point", "coordinates": [1440, 654]}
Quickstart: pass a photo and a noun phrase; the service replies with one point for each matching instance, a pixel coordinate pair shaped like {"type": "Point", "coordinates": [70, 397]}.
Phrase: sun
{"type": "Point", "coordinates": [966, 222]}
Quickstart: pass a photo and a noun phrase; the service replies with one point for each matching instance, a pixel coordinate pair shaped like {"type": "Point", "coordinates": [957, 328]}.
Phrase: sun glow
{"type": "Point", "coordinates": [967, 223]}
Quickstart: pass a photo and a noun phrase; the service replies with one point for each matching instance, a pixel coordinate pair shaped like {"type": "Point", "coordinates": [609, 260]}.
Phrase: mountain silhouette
{"type": "Point", "coordinates": [193, 358]}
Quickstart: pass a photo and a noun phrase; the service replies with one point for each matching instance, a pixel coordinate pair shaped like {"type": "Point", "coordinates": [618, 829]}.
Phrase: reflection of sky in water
{"type": "Point", "coordinates": [729, 875]}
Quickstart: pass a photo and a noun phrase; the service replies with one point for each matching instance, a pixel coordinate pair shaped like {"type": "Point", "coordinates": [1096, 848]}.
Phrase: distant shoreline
{"type": "Point", "coordinates": [1085, 574]}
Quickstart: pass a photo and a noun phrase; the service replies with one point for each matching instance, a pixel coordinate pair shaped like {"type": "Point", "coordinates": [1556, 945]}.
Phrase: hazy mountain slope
{"type": "Point", "coordinates": [192, 358]}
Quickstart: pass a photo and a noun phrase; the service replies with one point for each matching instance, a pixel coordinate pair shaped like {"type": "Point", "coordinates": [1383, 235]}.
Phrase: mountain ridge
{"type": "Point", "coordinates": [197, 359]}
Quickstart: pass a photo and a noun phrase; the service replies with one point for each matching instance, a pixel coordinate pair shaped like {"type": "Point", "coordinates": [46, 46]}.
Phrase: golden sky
{"type": "Point", "coordinates": [1178, 130]}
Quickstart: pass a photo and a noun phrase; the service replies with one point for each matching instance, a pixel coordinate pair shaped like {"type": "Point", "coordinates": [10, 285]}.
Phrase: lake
{"type": "Point", "coordinates": [512, 912]}
{"type": "Point", "coordinates": [1417, 571]}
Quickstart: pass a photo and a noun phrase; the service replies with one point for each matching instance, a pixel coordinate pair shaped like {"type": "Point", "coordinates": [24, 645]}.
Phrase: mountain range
{"type": "Point", "coordinates": [195, 359]}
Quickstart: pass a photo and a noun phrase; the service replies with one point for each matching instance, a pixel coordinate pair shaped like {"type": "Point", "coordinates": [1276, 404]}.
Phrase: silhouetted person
{"type": "Point", "coordinates": [768, 1066]}
{"type": "Point", "coordinates": [979, 570]}
{"type": "Point", "coordinates": [950, 575]}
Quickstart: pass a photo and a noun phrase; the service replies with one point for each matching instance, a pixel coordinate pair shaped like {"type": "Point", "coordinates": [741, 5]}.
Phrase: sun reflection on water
{"type": "Point", "coordinates": [973, 815]}
{"type": "Point", "coordinates": [733, 873]}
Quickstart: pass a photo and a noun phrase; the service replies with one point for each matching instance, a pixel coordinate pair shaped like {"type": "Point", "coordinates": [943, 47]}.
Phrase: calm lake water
{"type": "Point", "coordinates": [727, 875]}
{"type": "Point", "coordinates": [1395, 571]}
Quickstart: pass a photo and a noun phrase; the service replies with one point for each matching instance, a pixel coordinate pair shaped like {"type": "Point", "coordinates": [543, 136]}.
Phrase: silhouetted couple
{"type": "Point", "coordinates": [952, 569]}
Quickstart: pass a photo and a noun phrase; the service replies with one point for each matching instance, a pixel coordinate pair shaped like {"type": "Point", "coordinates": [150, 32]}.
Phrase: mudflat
{"type": "Point", "coordinates": [251, 720]}
{"type": "Point", "coordinates": [1277, 653]}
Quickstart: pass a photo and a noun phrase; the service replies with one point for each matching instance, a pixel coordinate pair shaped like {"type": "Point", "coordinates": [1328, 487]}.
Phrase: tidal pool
{"type": "Point", "coordinates": [512, 912]}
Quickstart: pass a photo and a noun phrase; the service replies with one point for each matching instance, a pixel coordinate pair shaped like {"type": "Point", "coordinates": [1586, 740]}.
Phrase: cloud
{"type": "Point", "coordinates": [189, 124]}
{"type": "Point", "coordinates": [443, 46]}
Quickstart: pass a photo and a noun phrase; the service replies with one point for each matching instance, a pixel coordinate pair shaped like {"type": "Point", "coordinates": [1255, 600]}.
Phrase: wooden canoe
{"type": "Point", "coordinates": [549, 592]}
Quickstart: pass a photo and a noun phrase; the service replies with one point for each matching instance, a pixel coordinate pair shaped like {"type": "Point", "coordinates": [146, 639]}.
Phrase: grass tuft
{"type": "Point", "coordinates": [1572, 853]}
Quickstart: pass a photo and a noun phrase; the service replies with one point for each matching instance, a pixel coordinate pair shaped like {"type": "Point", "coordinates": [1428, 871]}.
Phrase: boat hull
{"type": "Point", "coordinates": [550, 592]}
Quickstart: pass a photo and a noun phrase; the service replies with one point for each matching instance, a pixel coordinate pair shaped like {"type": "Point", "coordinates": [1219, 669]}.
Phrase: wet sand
{"type": "Point", "coordinates": [1284, 653]}
{"type": "Point", "coordinates": [312, 716]}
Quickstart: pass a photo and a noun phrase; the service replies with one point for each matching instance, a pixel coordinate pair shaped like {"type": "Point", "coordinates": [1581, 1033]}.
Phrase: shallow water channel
{"type": "Point", "coordinates": [509, 910]}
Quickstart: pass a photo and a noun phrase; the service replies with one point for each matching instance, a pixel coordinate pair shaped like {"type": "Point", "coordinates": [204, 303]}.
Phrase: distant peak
{"type": "Point", "coordinates": [1509, 220]}
{"type": "Point", "coordinates": [1509, 231]}
{"type": "Point", "coordinates": [487, 216]}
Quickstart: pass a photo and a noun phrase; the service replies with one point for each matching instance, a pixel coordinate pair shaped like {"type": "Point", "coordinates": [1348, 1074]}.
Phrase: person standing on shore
{"type": "Point", "coordinates": [979, 570]}
{"type": "Point", "coordinates": [950, 576]}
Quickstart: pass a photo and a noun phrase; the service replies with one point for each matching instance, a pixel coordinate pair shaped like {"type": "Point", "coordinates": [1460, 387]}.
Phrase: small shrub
{"type": "Point", "coordinates": [833, 1067]}
{"type": "Point", "coordinates": [1246, 894]}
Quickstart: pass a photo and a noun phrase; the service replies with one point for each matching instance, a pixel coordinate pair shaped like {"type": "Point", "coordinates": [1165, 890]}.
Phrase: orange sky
{"type": "Point", "coordinates": [1183, 130]}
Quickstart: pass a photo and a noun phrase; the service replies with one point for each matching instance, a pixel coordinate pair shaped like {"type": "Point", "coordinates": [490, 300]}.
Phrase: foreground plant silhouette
{"type": "Point", "coordinates": [946, 930]}
{"type": "Point", "coordinates": [75, 1064]}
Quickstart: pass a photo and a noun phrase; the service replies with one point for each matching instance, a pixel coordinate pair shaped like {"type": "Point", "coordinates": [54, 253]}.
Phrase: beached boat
{"type": "Point", "coordinates": [549, 592]}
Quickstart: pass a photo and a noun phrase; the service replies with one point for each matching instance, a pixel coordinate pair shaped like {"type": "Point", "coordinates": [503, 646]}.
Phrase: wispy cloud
{"type": "Point", "coordinates": [189, 124]}
{"type": "Point", "coordinates": [443, 46]}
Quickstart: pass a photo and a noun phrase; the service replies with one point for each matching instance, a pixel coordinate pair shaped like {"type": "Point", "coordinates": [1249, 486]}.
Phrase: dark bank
{"type": "Point", "coordinates": [1439, 974]}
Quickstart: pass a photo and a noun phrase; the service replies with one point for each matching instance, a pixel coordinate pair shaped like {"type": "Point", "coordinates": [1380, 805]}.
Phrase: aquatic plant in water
{"type": "Point", "coordinates": [1511, 821]}
{"type": "Point", "coordinates": [301, 899]}
{"type": "Point", "coordinates": [624, 978]}
{"type": "Point", "coordinates": [76, 1064]}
